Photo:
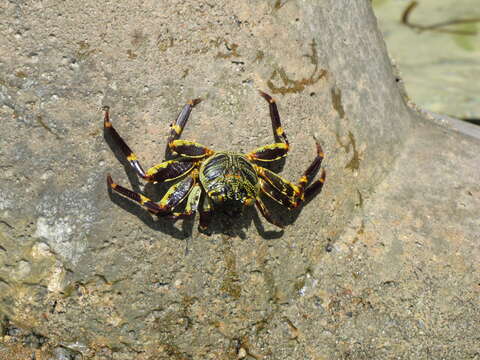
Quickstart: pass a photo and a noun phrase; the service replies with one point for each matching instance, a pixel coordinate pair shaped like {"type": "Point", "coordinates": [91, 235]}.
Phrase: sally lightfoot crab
{"type": "Point", "coordinates": [209, 179]}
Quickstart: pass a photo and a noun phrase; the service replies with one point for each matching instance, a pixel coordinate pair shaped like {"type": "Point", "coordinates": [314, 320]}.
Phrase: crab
{"type": "Point", "coordinates": [206, 180]}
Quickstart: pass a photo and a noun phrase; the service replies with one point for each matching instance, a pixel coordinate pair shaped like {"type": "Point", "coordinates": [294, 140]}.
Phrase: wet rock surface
{"type": "Point", "coordinates": [380, 265]}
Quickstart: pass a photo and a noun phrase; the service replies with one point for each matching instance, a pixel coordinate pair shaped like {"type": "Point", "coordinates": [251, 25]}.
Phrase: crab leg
{"type": "Point", "coordinates": [174, 196]}
{"type": "Point", "coordinates": [275, 151]}
{"type": "Point", "coordinates": [266, 214]}
{"type": "Point", "coordinates": [169, 170]}
{"type": "Point", "coordinates": [289, 194]}
{"type": "Point", "coordinates": [139, 198]}
{"type": "Point", "coordinates": [315, 187]}
{"type": "Point", "coordinates": [165, 171]}
{"type": "Point", "coordinates": [177, 127]}
{"type": "Point", "coordinates": [129, 154]}
{"type": "Point", "coordinates": [310, 173]}
{"type": "Point", "coordinates": [278, 131]}
{"type": "Point", "coordinates": [205, 214]}
{"type": "Point", "coordinates": [275, 194]}
{"type": "Point", "coordinates": [189, 149]}
{"type": "Point", "coordinates": [278, 183]}
{"type": "Point", "coordinates": [191, 207]}
{"type": "Point", "coordinates": [270, 152]}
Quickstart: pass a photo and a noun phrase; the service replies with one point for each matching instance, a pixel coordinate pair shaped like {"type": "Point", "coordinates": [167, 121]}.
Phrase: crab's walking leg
{"type": "Point", "coordinates": [270, 152]}
{"type": "Point", "coordinates": [273, 184]}
{"type": "Point", "coordinates": [191, 207]}
{"type": "Point", "coordinates": [169, 170]}
{"type": "Point", "coordinates": [189, 149]}
{"type": "Point", "coordinates": [307, 177]}
{"type": "Point", "coordinates": [315, 187]}
{"type": "Point", "coordinates": [266, 214]}
{"type": "Point", "coordinates": [275, 194]}
{"type": "Point", "coordinates": [132, 195]}
{"type": "Point", "coordinates": [129, 154]}
{"type": "Point", "coordinates": [278, 132]}
{"type": "Point", "coordinates": [165, 171]}
{"type": "Point", "coordinates": [288, 194]}
{"type": "Point", "coordinates": [205, 214]}
{"type": "Point", "coordinates": [177, 127]}
{"type": "Point", "coordinates": [275, 151]}
{"type": "Point", "coordinates": [174, 196]}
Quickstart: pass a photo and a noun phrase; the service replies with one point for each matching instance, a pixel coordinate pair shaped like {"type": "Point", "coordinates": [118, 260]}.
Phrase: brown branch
{"type": "Point", "coordinates": [439, 27]}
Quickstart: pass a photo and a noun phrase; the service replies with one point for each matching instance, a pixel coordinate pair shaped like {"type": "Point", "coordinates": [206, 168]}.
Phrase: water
{"type": "Point", "coordinates": [441, 70]}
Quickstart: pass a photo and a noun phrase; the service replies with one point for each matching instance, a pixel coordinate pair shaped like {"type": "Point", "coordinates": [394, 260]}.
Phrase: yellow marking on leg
{"type": "Point", "coordinates": [106, 117]}
{"type": "Point", "coordinates": [177, 129]}
{"type": "Point", "coordinates": [279, 131]}
{"type": "Point", "coordinates": [168, 195]}
{"type": "Point", "coordinates": [143, 199]}
{"type": "Point", "coordinates": [274, 146]}
{"type": "Point", "coordinates": [296, 190]}
{"type": "Point", "coordinates": [179, 143]}
{"type": "Point", "coordinates": [259, 170]}
{"type": "Point", "coordinates": [153, 170]}
{"type": "Point", "coordinates": [248, 202]}
{"type": "Point", "coordinates": [303, 180]}
{"type": "Point", "coordinates": [132, 157]}
{"type": "Point", "coordinates": [216, 198]}
{"type": "Point", "coordinates": [113, 185]}
{"type": "Point", "coordinates": [257, 153]}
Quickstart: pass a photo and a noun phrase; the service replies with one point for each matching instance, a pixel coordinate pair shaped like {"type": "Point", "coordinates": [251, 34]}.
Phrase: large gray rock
{"type": "Point", "coordinates": [380, 265]}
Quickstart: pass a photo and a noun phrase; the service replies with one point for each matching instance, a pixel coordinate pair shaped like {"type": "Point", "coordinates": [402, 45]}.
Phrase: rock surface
{"type": "Point", "coordinates": [382, 264]}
